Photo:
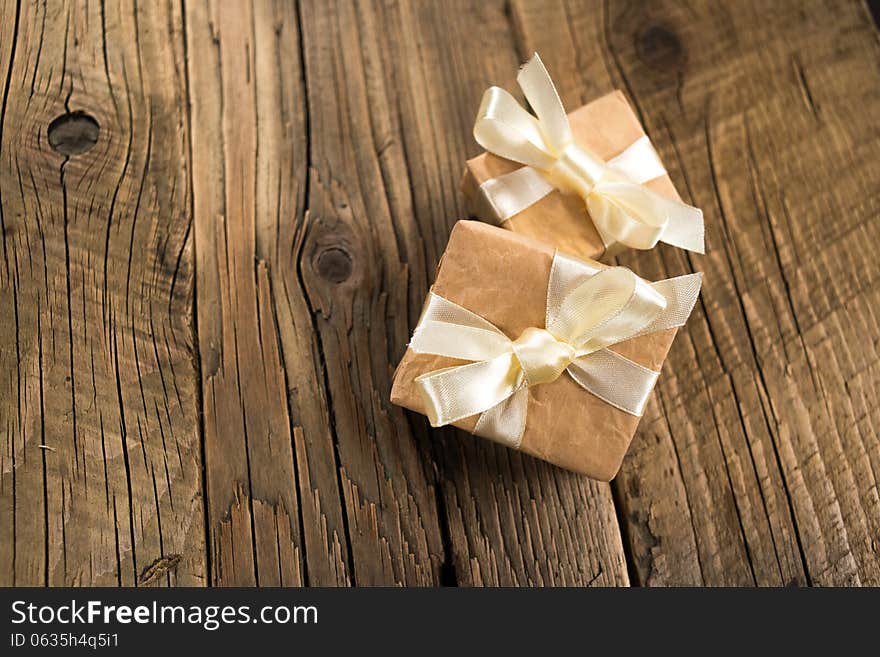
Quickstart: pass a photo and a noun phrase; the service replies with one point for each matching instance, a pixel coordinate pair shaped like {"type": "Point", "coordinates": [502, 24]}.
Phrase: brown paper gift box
{"type": "Point", "coordinates": [503, 276]}
{"type": "Point", "coordinates": [606, 126]}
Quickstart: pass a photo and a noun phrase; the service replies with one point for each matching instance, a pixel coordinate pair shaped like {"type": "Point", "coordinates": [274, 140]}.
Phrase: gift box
{"type": "Point", "coordinates": [574, 194]}
{"type": "Point", "coordinates": [569, 349]}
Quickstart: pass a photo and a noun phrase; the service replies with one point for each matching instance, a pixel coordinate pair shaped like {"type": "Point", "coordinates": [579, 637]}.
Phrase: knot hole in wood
{"type": "Point", "coordinates": [660, 48]}
{"type": "Point", "coordinates": [73, 133]}
{"type": "Point", "coordinates": [333, 264]}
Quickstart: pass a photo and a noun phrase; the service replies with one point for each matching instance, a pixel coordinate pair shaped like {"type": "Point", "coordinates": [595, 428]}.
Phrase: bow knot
{"type": "Point", "coordinates": [578, 170]}
{"type": "Point", "coordinates": [621, 207]}
{"type": "Point", "coordinates": [588, 309]}
{"type": "Point", "coordinates": [541, 356]}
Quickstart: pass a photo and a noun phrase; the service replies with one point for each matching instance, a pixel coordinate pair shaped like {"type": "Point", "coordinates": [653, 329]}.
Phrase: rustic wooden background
{"type": "Point", "coordinates": [219, 221]}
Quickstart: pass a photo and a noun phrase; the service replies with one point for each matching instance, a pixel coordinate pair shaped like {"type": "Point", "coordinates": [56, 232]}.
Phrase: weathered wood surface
{"type": "Point", "coordinates": [101, 450]}
{"type": "Point", "coordinates": [204, 289]}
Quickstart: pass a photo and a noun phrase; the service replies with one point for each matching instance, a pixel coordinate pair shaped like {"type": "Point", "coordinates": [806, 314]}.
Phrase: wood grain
{"type": "Point", "coordinates": [100, 458]}
{"type": "Point", "coordinates": [253, 506]}
{"type": "Point", "coordinates": [213, 260]}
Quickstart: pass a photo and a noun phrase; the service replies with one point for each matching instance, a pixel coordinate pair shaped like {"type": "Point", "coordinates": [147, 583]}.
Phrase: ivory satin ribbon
{"type": "Point", "coordinates": [622, 209]}
{"type": "Point", "coordinates": [588, 310]}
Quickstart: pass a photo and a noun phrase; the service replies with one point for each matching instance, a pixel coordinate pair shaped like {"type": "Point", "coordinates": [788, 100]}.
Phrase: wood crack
{"type": "Point", "coordinates": [302, 173]}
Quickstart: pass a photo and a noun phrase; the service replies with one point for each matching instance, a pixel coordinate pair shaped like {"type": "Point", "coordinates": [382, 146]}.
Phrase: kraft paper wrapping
{"type": "Point", "coordinates": [503, 276]}
{"type": "Point", "coordinates": [606, 126]}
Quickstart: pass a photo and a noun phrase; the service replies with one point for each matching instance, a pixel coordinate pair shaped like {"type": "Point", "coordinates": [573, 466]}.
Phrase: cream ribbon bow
{"type": "Point", "coordinates": [621, 207]}
{"type": "Point", "coordinates": [588, 309]}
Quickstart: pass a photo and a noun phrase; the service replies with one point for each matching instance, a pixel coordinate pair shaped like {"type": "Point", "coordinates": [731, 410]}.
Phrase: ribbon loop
{"type": "Point", "coordinates": [454, 393]}
{"type": "Point", "coordinates": [588, 310]}
{"type": "Point", "coordinates": [577, 171]}
{"type": "Point", "coordinates": [607, 308]}
{"type": "Point", "coordinates": [622, 209]}
{"type": "Point", "coordinates": [516, 133]}
{"type": "Point", "coordinates": [541, 93]}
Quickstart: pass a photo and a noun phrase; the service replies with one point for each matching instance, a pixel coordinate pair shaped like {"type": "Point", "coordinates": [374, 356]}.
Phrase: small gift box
{"type": "Point", "coordinates": [540, 351]}
{"type": "Point", "coordinates": [589, 183]}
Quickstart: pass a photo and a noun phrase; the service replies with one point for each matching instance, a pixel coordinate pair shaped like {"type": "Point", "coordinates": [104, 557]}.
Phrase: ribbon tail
{"type": "Point", "coordinates": [505, 423]}
{"type": "Point", "coordinates": [684, 228]}
{"type": "Point", "coordinates": [615, 380]}
{"type": "Point", "coordinates": [681, 295]}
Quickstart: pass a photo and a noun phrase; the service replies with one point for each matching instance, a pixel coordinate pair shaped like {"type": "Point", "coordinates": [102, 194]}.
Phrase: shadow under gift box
{"type": "Point", "coordinates": [503, 277]}
{"type": "Point", "coordinates": [607, 126]}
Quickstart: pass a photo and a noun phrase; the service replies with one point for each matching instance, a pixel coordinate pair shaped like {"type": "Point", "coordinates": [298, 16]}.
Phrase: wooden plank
{"type": "Point", "coordinates": [390, 127]}
{"type": "Point", "coordinates": [367, 514]}
{"type": "Point", "coordinates": [100, 456]}
{"type": "Point", "coordinates": [757, 461]}
{"type": "Point", "coordinates": [238, 162]}
{"type": "Point", "coordinates": [354, 282]}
